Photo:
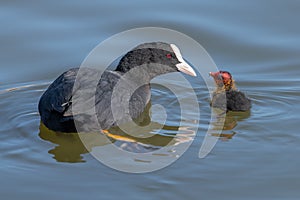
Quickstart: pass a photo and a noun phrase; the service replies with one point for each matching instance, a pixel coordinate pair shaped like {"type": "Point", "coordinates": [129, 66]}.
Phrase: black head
{"type": "Point", "coordinates": [159, 58]}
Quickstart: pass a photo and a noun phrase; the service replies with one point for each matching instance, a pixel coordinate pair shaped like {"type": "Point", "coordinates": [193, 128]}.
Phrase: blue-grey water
{"type": "Point", "coordinates": [258, 41]}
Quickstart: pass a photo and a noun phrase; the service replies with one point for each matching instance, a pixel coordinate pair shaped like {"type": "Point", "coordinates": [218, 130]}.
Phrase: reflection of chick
{"type": "Point", "coordinates": [234, 100]}
{"type": "Point", "coordinates": [226, 122]}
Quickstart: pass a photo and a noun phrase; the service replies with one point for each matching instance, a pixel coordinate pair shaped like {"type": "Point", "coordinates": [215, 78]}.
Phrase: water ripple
{"type": "Point", "coordinates": [21, 119]}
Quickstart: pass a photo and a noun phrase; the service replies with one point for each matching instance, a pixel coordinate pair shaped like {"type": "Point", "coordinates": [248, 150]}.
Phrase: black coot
{"type": "Point", "coordinates": [132, 75]}
{"type": "Point", "coordinates": [234, 100]}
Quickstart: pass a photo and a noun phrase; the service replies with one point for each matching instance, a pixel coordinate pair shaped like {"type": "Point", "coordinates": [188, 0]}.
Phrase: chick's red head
{"type": "Point", "coordinates": [222, 78]}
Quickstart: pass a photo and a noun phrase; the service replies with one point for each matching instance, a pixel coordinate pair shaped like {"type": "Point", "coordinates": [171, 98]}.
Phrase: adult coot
{"type": "Point", "coordinates": [121, 95]}
{"type": "Point", "coordinates": [226, 96]}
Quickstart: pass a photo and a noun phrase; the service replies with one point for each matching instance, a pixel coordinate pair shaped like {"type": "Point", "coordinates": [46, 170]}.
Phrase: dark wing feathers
{"type": "Point", "coordinates": [57, 105]}
{"type": "Point", "coordinates": [57, 96]}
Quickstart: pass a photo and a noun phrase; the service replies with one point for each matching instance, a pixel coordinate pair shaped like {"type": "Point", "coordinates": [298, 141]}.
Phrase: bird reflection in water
{"type": "Point", "coordinates": [69, 146]}
{"type": "Point", "coordinates": [227, 121]}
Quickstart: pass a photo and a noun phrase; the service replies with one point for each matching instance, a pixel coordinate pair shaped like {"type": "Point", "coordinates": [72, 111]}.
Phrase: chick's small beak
{"type": "Point", "coordinates": [213, 74]}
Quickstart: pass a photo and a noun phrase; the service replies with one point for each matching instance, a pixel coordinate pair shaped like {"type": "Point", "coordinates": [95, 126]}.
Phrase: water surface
{"type": "Point", "coordinates": [257, 41]}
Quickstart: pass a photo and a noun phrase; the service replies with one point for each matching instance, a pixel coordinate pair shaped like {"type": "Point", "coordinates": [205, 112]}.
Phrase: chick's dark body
{"type": "Point", "coordinates": [232, 100]}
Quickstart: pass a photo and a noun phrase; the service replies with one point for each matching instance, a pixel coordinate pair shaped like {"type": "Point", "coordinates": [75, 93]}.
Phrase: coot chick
{"type": "Point", "coordinates": [226, 96]}
{"type": "Point", "coordinates": [134, 71]}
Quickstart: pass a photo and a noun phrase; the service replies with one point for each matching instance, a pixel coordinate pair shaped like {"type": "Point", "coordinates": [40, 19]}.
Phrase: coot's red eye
{"type": "Point", "coordinates": [169, 55]}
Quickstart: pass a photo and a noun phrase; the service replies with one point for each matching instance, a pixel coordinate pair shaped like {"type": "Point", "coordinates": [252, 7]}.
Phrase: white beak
{"type": "Point", "coordinates": [182, 66]}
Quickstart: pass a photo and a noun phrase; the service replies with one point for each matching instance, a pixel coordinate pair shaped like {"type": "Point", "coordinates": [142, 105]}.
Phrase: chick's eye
{"type": "Point", "coordinates": [169, 55]}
